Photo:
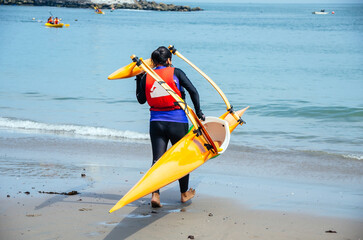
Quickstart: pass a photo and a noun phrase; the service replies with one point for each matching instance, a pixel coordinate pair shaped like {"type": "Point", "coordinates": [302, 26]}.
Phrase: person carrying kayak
{"type": "Point", "coordinates": [168, 122]}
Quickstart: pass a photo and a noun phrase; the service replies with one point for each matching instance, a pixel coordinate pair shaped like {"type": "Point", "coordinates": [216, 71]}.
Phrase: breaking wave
{"type": "Point", "coordinates": [69, 129]}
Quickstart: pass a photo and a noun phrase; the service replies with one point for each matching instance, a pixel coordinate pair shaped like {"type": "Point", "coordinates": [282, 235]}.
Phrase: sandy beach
{"type": "Point", "coordinates": [86, 217]}
{"type": "Point", "coordinates": [255, 200]}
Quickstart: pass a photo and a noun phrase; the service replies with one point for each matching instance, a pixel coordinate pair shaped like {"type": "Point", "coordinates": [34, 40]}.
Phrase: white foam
{"type": "Point", "coordinates": [353, 156]}
{"type": "Point", "coordinates": [68, 129]}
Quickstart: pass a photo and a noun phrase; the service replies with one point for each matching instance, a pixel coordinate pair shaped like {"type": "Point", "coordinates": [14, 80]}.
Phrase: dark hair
{"type": "Point", "coordinates": [160, 56]}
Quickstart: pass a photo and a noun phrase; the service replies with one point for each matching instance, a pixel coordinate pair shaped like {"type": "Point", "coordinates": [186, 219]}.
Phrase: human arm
{"type": "Point", "coordinates": [140, 88]}
{"type": "Point", "coordinates": [194, 95]}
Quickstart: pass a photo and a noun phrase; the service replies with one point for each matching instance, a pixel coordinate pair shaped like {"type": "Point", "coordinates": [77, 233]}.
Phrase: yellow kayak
{"type": "Point", "coordinates": [204, 141]}
{"type": "Point", "coordinates": [100, 12]}
{"type": "Point", "coordinates": [60, 25]}
{"type": "Point", "coordinates": [183, 157]}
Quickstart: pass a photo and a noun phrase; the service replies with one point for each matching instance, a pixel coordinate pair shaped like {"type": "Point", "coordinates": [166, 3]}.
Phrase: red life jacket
{"type": "Point", "coordinates": [157, 97]}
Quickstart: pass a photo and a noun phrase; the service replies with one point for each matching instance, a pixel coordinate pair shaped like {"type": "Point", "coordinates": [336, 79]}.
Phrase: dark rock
{"type": "Point", "coordinates": [61, 193]}
{"type": "Point", "coordinates": [70, 193]}
{"type": "Point", "coordinates": [139, 5]}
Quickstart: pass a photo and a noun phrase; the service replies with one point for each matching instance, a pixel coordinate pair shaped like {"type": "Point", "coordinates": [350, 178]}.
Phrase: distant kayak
{"type": "Point", "coordinates": [100, 12]}
{"type": "Point", "coordinates": [54, 25]}
{"type": "Point", "coordinates": [60, 25]}
{"type": "Point", "coordinates": [322, 12]}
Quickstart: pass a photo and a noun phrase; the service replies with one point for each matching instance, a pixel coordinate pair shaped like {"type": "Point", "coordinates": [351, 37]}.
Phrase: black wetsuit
{"type": "Point", "coordinates": [161, 132]}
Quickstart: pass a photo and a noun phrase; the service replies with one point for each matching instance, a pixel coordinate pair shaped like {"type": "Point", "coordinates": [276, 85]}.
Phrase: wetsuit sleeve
{"type": "Point", "coordinates": [187, 84]}
{"type": "Point", "coordinates": [140, 88]}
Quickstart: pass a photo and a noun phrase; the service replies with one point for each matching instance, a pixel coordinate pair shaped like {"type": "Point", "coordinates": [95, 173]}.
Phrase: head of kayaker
{"type": "Point", "coordinates": [161, 57]}
{"type": "Point", "coordinates": [168, 121]}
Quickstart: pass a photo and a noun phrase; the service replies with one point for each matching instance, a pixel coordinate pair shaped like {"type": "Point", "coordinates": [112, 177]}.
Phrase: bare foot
{"type": "Point", "coordinates": [187, 195]}
{"type": "Point", "coordinates": [155, 200]}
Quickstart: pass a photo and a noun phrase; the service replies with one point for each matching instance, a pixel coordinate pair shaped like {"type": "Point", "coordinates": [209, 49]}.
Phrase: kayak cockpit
{"type": "Point", "coordinates": [218, 130]}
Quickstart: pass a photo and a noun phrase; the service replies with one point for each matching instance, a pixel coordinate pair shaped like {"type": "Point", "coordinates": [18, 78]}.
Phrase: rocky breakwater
{"type": "Point", "coordinates": [136, 5]}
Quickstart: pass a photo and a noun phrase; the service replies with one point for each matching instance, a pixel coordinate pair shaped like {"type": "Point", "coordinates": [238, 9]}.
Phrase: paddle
{"type": "Point", "coordinates": [229, 106]}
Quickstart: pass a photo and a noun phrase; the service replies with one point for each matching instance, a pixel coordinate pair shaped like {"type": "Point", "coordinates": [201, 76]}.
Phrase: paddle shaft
{"type": "Point", "coordinates": [229, 107]}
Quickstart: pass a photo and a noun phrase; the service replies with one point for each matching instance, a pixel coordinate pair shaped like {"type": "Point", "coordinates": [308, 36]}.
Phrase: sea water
{"type": "Point", "coordinates": [300, 73]}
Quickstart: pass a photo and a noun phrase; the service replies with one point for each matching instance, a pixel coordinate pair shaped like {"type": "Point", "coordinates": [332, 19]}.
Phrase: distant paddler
{"type": "Point", "coordinates": [50, 20]}
{"type": "Point", "coordinates": [98, 10]}
{"type": "Point", "coordinates": [55, 22]}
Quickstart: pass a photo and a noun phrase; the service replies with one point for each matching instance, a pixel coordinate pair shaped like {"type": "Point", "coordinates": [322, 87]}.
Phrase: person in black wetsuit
{"type": "Point", "coordinates": [168, 122]}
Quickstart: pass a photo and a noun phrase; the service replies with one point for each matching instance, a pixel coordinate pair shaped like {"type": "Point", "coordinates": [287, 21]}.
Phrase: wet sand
{"type": "Point", "coordinates": [245, 194]}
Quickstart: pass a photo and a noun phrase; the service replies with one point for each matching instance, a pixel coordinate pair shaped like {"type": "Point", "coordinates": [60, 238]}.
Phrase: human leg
{"type": "Point", "coordinates": [159, 143]}
{"type": "Point", "coordinates": [176, 132]}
